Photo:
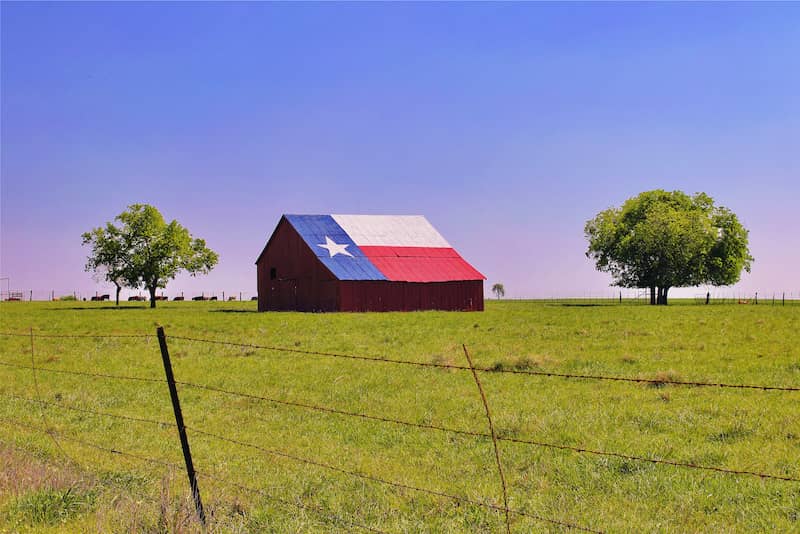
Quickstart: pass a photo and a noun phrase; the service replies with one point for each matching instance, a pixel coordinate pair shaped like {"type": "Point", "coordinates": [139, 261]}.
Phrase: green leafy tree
{"type": "Point", "coordinates": [498, 290]}
{"type": "Point", "coordinates": [107, 258]}
{"type": "Point", "coordinates": [152, 251]}
{"type": "Point", "coordinates": [661, 239]}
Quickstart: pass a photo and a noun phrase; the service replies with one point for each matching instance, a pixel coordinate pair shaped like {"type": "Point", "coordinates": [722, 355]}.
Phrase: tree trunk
{"type": "Point", "coordinates": [152, 296]}
{"type": "Point", "coordinates": [652, 295]}
{"type": "Point", "coordinates": [119, 288]}
{"type": "Point", "coordinates": [662, 295]}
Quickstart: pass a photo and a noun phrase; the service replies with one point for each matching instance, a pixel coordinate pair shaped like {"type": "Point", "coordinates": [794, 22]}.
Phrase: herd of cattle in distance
{"type": "Point", "coordinates": [164, 297]}
{"type": "Point", "coordinates": [139, 298]}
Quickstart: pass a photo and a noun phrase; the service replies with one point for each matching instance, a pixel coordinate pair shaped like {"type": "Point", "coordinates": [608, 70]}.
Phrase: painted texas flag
{"type": "Point", "coordinates": [400, 248]}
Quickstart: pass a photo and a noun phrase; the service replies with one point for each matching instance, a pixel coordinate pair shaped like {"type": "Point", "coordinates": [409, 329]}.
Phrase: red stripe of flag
{"type": "Point", "coordinates": [420, 264]}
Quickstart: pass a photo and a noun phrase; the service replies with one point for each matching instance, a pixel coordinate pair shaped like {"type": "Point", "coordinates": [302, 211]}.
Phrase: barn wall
{"type": "Point", "coordinates": [302, 283]}
{"type": "Point", "coordinates": [409, 296]}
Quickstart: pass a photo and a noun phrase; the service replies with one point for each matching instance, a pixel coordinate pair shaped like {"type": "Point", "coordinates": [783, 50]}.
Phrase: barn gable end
{"type": "Point", "coordinates": [291, 278]}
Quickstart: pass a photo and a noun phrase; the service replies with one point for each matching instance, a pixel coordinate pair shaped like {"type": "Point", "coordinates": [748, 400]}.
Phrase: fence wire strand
{"type": "Point", "coordinates": [79, 336]}
{"type": "Point", "coordinates": [500, 437]}
{"type": "Point", "coordinates": [654, 381]}
{"type": "Point", "coordinates": [86, 410]}
{"type": "Point", "coordinates": [85, 373]}
{"type": "Point", "coordinates": [400, 485]}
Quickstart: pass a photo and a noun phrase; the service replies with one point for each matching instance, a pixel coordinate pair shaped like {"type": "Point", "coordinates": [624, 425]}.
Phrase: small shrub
{"type": "Point", "coordinates": [68, 297]}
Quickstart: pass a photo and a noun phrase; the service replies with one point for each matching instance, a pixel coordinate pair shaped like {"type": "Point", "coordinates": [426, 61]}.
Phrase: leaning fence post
{"type": "Point", "coordinates": [494, 437]}
{"type": "Point", "coordinates": [176, 406]}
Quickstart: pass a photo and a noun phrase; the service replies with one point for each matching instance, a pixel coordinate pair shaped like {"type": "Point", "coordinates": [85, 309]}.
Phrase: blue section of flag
{"type": "Point", "coordinates": [319, 230]}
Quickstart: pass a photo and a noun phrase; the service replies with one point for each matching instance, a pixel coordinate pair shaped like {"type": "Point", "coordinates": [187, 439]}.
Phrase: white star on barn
{"type": "Point", "coordinates": [335, 248]}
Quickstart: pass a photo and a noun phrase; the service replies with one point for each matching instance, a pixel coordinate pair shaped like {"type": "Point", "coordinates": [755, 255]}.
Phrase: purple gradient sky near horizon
{"type": "Point", "coordinates": [507, 125]}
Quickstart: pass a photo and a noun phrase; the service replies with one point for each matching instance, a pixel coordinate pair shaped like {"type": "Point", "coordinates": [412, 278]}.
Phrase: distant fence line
{"type": "Point", "coordinates": [28, 295]}
{"type": "Point", "coordinates": [179, 424]}
{"type": "Point", "coordinates": [772, 297]}
{"type": "Point", "coordinates": [710, 297]}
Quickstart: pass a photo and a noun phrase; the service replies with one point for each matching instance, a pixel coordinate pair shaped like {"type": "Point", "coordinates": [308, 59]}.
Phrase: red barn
{"type": "Point", "coordinates": [364, 263]}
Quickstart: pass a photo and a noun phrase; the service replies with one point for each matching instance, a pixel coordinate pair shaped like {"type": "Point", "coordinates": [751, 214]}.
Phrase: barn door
{"type": "Point", "coordinates": [284, 295]}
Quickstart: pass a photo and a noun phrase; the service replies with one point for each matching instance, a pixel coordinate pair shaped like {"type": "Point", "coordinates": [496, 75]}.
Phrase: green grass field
{"type": "Point", "coordinates": [72, 487]}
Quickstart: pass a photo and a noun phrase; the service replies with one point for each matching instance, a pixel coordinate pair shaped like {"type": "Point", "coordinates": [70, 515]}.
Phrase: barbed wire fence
{"type": "Point", "coordinates": [494, 437]}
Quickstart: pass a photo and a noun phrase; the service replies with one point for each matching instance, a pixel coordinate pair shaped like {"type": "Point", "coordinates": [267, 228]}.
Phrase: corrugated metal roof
{"type": "Point", "coordinates": [382, 247]}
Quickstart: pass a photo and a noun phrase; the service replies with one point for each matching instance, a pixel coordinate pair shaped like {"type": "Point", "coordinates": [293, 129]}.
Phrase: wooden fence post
{"type": "Point", "coordinates": [176, 406]}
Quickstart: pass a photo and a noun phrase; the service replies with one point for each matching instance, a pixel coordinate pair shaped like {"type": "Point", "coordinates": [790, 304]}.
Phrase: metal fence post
{"type": "Point", "coordinates": [176, 406]}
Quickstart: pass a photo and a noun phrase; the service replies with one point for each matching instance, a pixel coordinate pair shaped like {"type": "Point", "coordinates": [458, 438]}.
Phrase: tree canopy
{"type": "Point", "coordinates": [663, 239]}
{"type": "Point", "coordinates": [146, 251]}
{"type": "Point", "coordinates": [107, 259]}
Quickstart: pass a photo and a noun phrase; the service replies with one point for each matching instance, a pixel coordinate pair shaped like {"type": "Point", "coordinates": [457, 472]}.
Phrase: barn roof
{"type": "Point", "coordinates": [402, 248]}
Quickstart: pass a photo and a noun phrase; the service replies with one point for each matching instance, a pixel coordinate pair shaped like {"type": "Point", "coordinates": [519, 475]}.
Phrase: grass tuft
{"type": "Point", "coordinates": [733, 433]}
{"type": "Point", "coordinates": [50, 506]}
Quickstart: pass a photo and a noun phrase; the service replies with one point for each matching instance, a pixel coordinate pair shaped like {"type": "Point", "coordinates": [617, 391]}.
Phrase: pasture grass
{"type": "Point", "coordinates": [736, 429]}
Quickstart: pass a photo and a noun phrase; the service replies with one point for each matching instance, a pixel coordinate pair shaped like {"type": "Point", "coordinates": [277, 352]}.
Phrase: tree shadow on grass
{"type": "Point", "coordinates": [578, 305]}
{"type": "Point", "coordinates": [92, 308]}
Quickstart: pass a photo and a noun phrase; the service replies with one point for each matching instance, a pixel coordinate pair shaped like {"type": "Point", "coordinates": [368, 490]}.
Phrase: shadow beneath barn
{"type": "Point", "coordinates": [233, 311]}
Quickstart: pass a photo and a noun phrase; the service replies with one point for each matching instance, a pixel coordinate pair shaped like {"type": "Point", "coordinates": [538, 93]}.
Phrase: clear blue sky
{"type": "Point", "coordinates": [507, 125]}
